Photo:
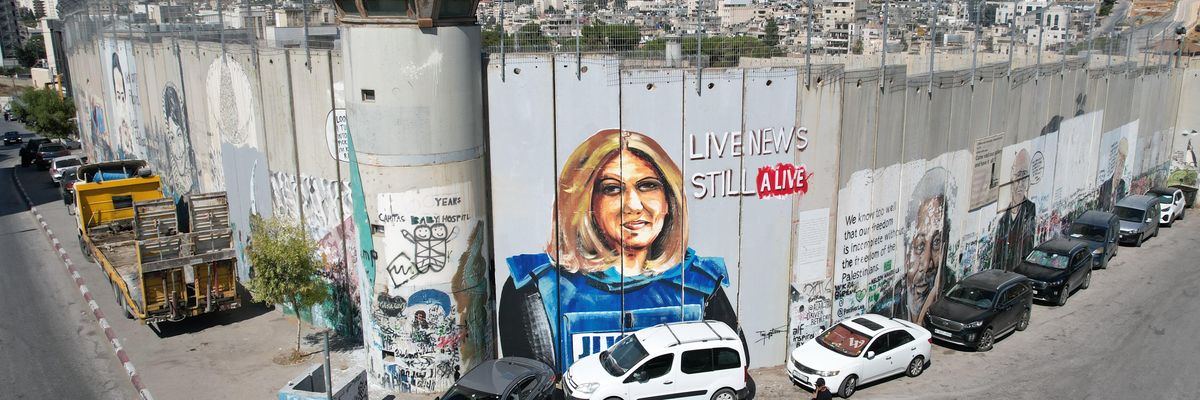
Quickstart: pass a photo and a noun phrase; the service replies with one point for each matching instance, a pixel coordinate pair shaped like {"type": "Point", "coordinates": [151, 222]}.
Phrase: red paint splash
{"type": "Point", "coordinates": [781, 180]}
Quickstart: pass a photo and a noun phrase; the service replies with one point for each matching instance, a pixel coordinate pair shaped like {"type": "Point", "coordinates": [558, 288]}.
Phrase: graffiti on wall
{"type": "Point", "coordinates": [173, 149]}
{"type": "Point", "coordinates": [1116, 169]}
{"type": "Point", "coordinates": [125, 137]}
{"type": "Point", "coordinates": [430, 308]}
{"type": "Point", "coordinates": [337, 243]}
{"type": "Point", "coordinates": [619, 260]}
{"type": "Point", "coordinates": [778, 180]}
{"type": "Point", "coordinates": [867, 238]}
{"type": "Point", "coordinates": [811, 307]}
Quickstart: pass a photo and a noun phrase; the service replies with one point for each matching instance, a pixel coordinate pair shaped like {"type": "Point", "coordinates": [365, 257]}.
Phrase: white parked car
{"type": "Point", "coordinates": [861, 350]}
{"type": "Point", "coordinates": [681, 360]}
{"type": "Point", "coordinates": [1172, 206]}
{"type": "Point", "coordinates": [59, 163]}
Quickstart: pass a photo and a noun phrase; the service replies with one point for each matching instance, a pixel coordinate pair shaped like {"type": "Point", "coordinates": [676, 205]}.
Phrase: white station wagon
{"type": "Point", "coordinates": [700, 360]}
{"type": "Point", "coordinates": [861, 350]}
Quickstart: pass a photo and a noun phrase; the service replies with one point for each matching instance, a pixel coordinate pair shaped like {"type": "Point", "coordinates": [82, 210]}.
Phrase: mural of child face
{"type": "Point", "coordinates": [926, 252]}
{"type": "Point", "coordinates": [629, 202]}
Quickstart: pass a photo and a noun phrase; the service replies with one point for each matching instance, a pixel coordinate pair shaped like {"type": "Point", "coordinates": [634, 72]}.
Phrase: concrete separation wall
{"type": "Point", "coordinates": [778, 198]}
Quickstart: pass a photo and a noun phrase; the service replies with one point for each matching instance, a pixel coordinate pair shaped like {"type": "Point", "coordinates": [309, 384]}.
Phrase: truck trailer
{"type": "Point", "coordinates": [165, 262]}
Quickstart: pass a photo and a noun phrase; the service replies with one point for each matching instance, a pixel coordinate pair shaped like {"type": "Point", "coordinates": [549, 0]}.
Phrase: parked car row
{"type": "Point", "coordinates": [706, 360]}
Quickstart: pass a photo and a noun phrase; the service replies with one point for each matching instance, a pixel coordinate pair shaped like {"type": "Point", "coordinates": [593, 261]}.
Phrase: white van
{"type": "Point", "coordinates": [681, 360]}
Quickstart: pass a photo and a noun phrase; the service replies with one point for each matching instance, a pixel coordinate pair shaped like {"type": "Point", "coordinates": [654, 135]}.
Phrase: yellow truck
{"type": "Point", "coordinates": [165, 263]}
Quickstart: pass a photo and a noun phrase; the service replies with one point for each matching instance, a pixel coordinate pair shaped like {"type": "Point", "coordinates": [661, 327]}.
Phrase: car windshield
{"type": "Point", "coordinates": [462, 393]}
{"type": "Point", "coordinates": [1129, 214]}
{"type": "Point", "coordinates": [623, 355]}
{"type": "Point", "coordinates": [978, 297]}
{"type": "Point", "coordinates": [1049, 260]}
{"type": "Point", "coordinates": [70, 162]}
{"type": "Point", "coordinates": [1089, 232]}
{"type": "Point", "coordinates": [52, 147]}
{"type": "Point", "coordinates": [1165, 199]}
{"type": "Point", "coordinates": [843, 340]}
{"type": "Point", "coordinates": [12, 134]}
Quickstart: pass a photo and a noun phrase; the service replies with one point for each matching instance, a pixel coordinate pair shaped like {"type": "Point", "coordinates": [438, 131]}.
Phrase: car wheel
{"type": "Point", "coordinates": [724, 394]}
{"type": "Point", "coordinates": [986, 340]}
{"type": "Point", "coordinates": [915, 367]}
{"type": "Point", "coordinates": [1024, 322]}
{"type": "Point", "coordinates": [87, 253]}
{"type": "Point", "coordinates": [1141, 238]}
{"type": "Point", "coordinates": [1182, 213]}
{"type": "Point", "coordinates": [1087, 281]}
{"type": "Point", "coordinates": [121, 301]}
{"type": "Point", "coordinates": [848, 387]}
{"type": "Point", "coordinates": [1062, 296]}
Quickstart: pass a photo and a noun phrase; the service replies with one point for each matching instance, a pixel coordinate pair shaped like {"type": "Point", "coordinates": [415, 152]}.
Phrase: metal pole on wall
{"type": "Point", "coordinates": [1108, 53]}
{"type": "Point", "coordinates": [808, 47]}
{"type": "Point", "coordinates": [883, 42]}
{"type": "Point", "coordinates": [932, 40]}
{"type": "Point", "coordinates": [1146, 51]}
{"type": "Point", "coordinates": [699, 53]}
{"type": "Point", "coordinates": [1041, 33]}
{"type": "Point", "coordinates": [1012, 40]}
{"type": "Point", "coordinates": [975, 41]}
{"type": "Point", "coordinates": [1090, 38]}
{"type": "Point", "coordinates": [503, 67]}
{"type": "Point", "coordinates": [221, 24]}
{"type": "Point", "coordinates": [578, 54]}
{"type": "Point", "coordinates": [307, 50]}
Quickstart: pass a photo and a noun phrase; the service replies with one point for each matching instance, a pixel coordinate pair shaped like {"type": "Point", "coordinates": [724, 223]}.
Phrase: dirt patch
{"type": "Point", "coordinates": [290, 357]}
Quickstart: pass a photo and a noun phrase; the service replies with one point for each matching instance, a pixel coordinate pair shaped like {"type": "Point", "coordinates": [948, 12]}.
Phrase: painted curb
{"type": "Point", "coordinates": [109, 333]}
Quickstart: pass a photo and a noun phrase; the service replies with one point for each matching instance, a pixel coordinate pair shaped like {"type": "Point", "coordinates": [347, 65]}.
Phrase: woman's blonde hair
{"type": "Point", "coordinates": [577, 243]}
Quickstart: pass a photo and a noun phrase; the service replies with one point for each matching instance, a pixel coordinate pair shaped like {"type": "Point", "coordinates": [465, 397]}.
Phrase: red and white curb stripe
{"type": "Point", "coordinates": [87, 296]}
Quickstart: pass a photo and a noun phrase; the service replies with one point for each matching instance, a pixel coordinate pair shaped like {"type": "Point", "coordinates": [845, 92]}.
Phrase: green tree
{"type": "Point", "coordinates": [46, 112]}
{"type": "Point", "coordinates": [33, 50]}
{"type": "Point", "coordinates": [530, 38]}
{"type": "Point", "coordinates": [771, 33]}
{"type": "Point", "coordinates": [286, 269]}
{"type": "Point", "coordinates": [857, 47]}
{"type": "Point", "coordinates": [491, 38]}
{"type": "Point", "coordinates": [615, 37]}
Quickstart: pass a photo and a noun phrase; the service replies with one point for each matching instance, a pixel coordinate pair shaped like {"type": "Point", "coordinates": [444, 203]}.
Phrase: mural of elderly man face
{"type": "Point", "coordinates": [1020, 176]}
{"type": "Point", "coordinates": [926, 253]}
{"type": "Point", "coordinates": [926, 247]}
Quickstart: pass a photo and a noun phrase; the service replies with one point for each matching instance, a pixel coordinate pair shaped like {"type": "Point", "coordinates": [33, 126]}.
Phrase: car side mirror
{"type": "Point", "coordinates": [870, 355]}
{"type": "Point", "coordinates": [640, 376]}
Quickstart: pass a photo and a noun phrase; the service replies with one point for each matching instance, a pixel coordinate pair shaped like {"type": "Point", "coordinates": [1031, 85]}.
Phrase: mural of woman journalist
{"type": "Point", "coordinates": [617, 260]}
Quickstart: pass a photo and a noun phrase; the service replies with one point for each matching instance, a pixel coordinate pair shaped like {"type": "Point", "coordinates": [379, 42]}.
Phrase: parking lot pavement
{"type": "Point", "coordinates": [225, 355]}
{"type": "Point", "coordinates": [1131, 335]}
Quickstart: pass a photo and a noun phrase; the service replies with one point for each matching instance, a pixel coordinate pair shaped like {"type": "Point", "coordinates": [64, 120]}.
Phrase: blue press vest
{"type": "Point", "coordinates": [589, 306]}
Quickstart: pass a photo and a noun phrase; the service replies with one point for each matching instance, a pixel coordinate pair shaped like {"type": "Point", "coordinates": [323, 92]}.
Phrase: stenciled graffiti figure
{"type": "Point", "coordinates": [1015, 233]}
{"type": "Point", "coordinates": [1115, 187]}
{"type": "Point", "coordinates": [617, 260]}
{"type": "Point", "coordinates": [925, 271]}
{"type": "Point", "coordinates": [431, 252]}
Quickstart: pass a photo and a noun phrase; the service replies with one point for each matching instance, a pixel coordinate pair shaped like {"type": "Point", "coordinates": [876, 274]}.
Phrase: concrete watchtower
{"type": "Point", "coordinates": [413, 96]}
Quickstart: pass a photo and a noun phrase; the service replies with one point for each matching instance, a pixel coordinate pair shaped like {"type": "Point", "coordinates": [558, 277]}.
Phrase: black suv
{"type": "Point", "coordinates": [12, 137]}
{"type": "Point", "coordinates": [29, 151]}
{"type": "Point", "coordinates": [1057, 267]}
{"type": "Point", "coordinates": [980, 308]}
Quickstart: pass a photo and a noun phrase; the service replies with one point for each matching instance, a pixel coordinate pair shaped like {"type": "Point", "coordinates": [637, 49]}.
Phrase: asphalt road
{"type": "Point", "coordinates": [226, 355]}
{"type": "Point", "coordinates": [1131, 335]}
{"type": "Point", "coordinates": [50, 345]}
